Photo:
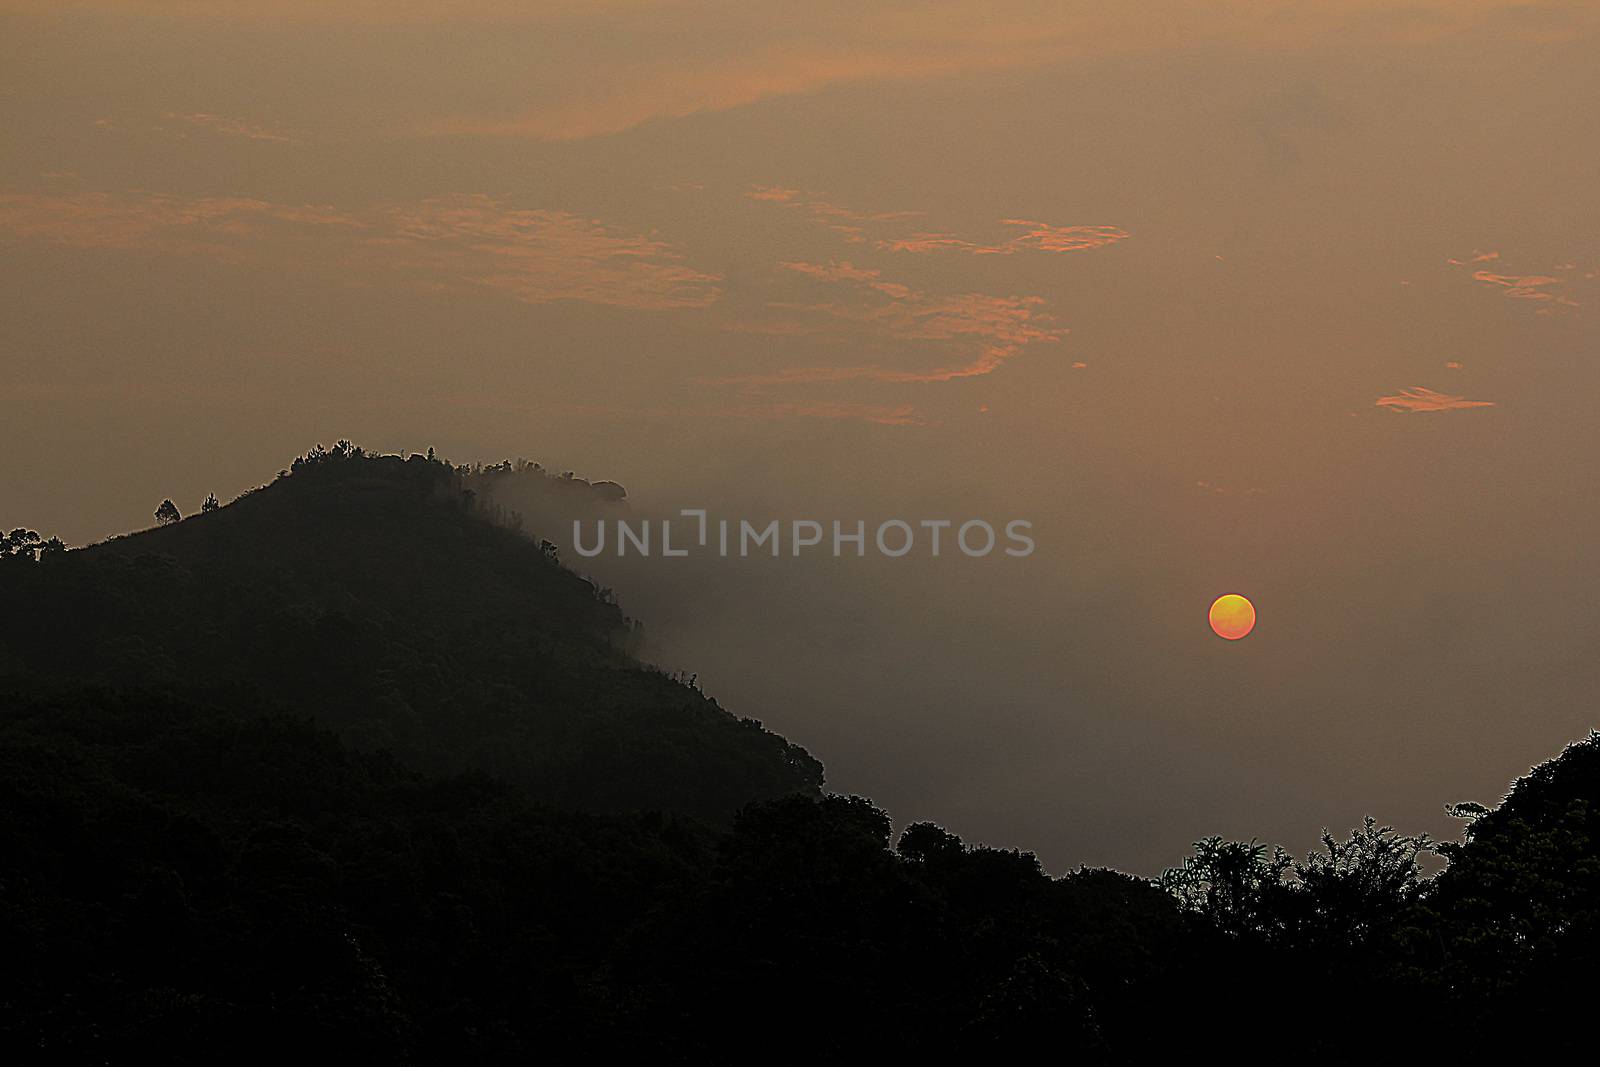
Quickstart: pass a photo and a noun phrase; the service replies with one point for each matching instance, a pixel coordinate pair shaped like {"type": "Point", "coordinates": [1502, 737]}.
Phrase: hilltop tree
{"type": "Point", "coordinates": [167, 513]}
{"type": "Point", "coordinates": [211, 503]}
{"type": "Point", "coordinates": [25, 544]}
{"type": "Point", "coordinates": [19, 542]}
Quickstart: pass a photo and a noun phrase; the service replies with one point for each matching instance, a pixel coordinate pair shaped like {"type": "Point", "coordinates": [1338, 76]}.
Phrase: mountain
{"type": "Point", "coordinates": [373, 595]}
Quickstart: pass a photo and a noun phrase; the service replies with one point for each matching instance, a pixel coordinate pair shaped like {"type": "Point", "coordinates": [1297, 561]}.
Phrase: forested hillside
{"type": "Point", "coordinates": [371, 594]}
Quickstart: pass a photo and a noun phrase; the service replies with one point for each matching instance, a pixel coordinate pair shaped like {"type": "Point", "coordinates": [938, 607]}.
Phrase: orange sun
{"type": "Point", "coordinates": [1232, 616]}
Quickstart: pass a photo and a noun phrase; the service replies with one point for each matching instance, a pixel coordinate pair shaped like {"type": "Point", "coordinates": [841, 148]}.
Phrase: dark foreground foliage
{"type": "Point", "coordinates": [187, 881]}
{"type": "Point", "coordinates": [271, 787]}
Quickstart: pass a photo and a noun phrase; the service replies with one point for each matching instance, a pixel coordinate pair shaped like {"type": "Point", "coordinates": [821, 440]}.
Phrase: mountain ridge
{"type": "Point", "coordinates": [372, 592]}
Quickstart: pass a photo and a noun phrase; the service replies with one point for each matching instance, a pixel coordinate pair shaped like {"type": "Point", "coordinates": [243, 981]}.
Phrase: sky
{"type": "Point", "coordinates": [1296, 300]}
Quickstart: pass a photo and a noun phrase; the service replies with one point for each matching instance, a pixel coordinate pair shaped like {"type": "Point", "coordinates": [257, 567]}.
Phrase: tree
{"type": "Point", "coordinates": [1239, 888]}
{"type": "Point", "coordinates": [22, 544]}
{"type": "Point", "coordinates": [167, 513]}
{"type": "Point", "coordinates": [1360, 887]}
{"type": "Point", "coordinates": [211, 503]}
{"type": "Point", "coordinates": [19, 543]}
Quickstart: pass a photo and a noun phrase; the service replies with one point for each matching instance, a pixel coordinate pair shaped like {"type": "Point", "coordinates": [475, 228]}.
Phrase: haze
{"type": "Point", "coordinates": [1293, 300]}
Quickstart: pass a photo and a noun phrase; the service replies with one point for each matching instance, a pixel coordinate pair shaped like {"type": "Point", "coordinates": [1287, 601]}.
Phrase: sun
{"type": "Point", "coordinates": [1232, 616]}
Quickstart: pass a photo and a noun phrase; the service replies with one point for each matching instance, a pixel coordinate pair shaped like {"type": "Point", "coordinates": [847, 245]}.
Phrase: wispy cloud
{"type": "Point", "coordinates": [540, 256]}
{"type": "Point", "coordinates": [1418, 398]}
{"type": "Point", "coordinates": [748, 52]}
{"type": "Point", "coordinates": [852, 223]}
{"type": "Point", "coordinates": [222, 227]}
{"type": "Point", "coordinates": [535, 256]}
{"type": "Point", "coordinates": [982, 330]}
{"type": "Point", "coordinates": [858, 226]}
{"type": "Point", "coordinates": [774, 193]}
{"type": "Point", "coordinates": [1526, 286]}
{"type": "Point", "coordinates": [907, 334]}
{"type": "Point", "coordinates": [945, 337]}
{"type": "Point", "coordinates": [238, 127]}
{"type": "Point", "coordinates": [1550, 291]}
{"type": "Point", "coordinates": [1040, 237]}
{"type": "Point", "coordinates": [1228, 490]}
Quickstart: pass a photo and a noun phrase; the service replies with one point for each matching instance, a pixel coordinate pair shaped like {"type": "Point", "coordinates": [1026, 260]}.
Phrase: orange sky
{"type": "Point", "coordinates": [1296, 299]}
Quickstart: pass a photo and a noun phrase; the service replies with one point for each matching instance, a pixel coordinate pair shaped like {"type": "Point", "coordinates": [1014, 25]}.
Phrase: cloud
{"type": "Point", "coordinates": [974, 332]}
{"type": "Point", "coordinates": [846, 272]}
{"type": "Point", "coordinates": [982, 330]}
{"type": "Point", "coordinates": [855, 224]}
{"type": "Point", "coordinates": [215, 226]}
{"type": "Point", "coordinates": [596, 67]}
{"type": "Point", "coordinates": [1418, 398]}
{"type": "Point", "coordinates": [1547, 290]}
{"type": "Point", "coordinates": [164, 124]}
{"type": "Point", "coordinates": [927, 242]}
{"type": "Point", "coordinates": [773, 193]}
{"type": "Point", "coordinates": [1526, 287]}
{"type": "Point", "coordinates": [237, 128]}
{"type": "Point", "coordinates": [622, 91]}
{"type": "Point", "coordinates": [535, 256]}
{"type": "Point", "coordinates": [1040, 237]}
{"type": "Point", "coordinates": [540, 256]}
{"type": "Point", "coordinates": [1228, 490]}
{"type": "Point", "coordinates": [850, 222]}
{"type": "Point", "coordinates": [1046, 238]}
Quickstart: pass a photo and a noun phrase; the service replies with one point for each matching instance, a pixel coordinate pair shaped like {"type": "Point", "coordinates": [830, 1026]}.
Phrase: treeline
{"type": "Point", "coordinates": [191, 879]}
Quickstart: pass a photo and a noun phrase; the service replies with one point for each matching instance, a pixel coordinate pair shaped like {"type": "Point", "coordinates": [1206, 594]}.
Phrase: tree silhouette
{"type": "Point", "coordinates": [167, 513]}
{"type": "Point", "coordinates": [23, 544]}
{"type": "Point", "coordinates": [19, 543]}
{"type": "Point", "coordinates": [211, 503]}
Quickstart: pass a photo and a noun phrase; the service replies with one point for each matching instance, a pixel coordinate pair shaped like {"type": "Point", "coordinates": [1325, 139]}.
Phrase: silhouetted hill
{"type": "Point", "coordinates": [369, 593]}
